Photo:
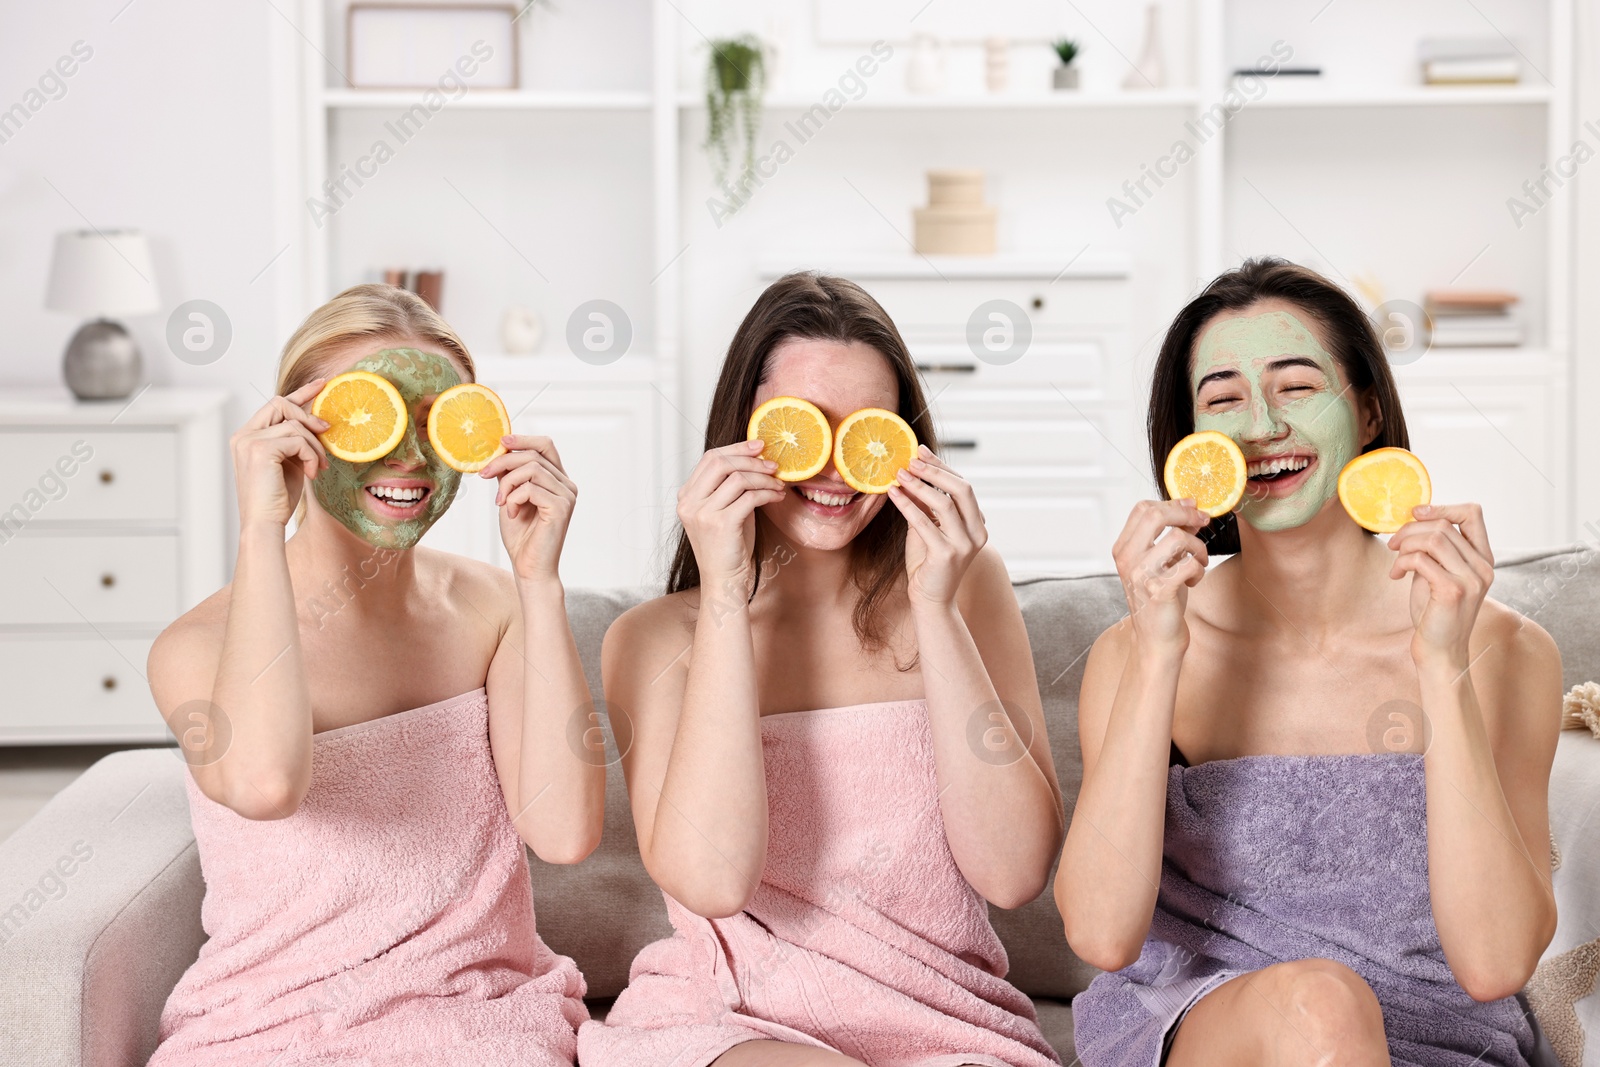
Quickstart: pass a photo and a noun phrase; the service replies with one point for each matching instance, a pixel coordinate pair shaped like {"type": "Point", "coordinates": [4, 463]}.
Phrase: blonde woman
{"type": "Point", "coordinates": [372, 731]}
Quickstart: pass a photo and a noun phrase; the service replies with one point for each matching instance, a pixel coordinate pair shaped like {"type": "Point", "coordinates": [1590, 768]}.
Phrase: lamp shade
{"type": "Point", "coordinates": [102, 273]}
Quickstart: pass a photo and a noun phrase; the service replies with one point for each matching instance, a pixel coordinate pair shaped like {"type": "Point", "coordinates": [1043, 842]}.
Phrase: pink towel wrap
{"type": "Point", "coordinates": [863, 936]}
{"type": "Point", "coordinates": [389, 920]}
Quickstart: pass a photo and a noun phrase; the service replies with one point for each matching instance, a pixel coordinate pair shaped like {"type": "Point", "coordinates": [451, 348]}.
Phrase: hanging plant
{"type": "Point", "coordinates": [736, 77]}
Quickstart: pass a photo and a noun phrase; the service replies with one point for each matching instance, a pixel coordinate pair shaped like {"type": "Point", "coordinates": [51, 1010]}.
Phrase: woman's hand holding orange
{"type": "Point", "coordinates": [717, 507]}
{"type": "Point", "coordinates": [945, 527]}
{"type": "Point", "coordinates": [1159, 559]}
{"type": "Point", "coordinates": [275, 453]}
{"type": "Point", "coordinates": [1446, 546]}
{"type": "Point", "coordinates": [536, 499]}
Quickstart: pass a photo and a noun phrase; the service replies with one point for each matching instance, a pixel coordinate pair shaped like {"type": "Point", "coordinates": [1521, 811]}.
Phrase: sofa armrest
{"type": "Point", "coordinates": [99, 914]}
{"type": "Point", "coordinates": [1562, 987]}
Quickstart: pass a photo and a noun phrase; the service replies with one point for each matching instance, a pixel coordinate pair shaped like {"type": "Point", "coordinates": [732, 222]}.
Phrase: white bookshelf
{"type": "Point", "coordinates": [1362, 171]}
{"type": "Point", "coordinates": [494, 100]}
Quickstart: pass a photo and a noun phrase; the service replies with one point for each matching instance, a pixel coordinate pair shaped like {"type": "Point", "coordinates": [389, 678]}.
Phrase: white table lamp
{"type": "Point", "coordinates": [102, 273]}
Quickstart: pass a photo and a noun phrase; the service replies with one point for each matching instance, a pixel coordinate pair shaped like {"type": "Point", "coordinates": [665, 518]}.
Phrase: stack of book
{"type": "Point", "coordinates": [1469, 61]}
{"type": "Point", "coordinates": [1466, 318]}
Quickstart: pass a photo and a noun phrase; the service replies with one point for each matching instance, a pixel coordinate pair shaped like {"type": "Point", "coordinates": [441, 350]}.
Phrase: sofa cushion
{"type": "Point", "coordinates": [1560, 590]}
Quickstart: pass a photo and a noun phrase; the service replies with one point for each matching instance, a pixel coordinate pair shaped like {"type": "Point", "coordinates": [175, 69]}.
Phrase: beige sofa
{"type": "Point", "coordinates": [84, 970]}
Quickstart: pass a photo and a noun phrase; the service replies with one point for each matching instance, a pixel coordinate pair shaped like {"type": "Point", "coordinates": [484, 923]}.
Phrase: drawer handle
{"type": "Point", "coordinates": [953, 445]}
{"type": "Point", "coordinates": [106, 477]}
{"type": "Point", "coordinates": [108, 682]}
{"type": "Point", "coordinates": [948, 368]}
{"type": "Point", "coordinates": [108, 580]}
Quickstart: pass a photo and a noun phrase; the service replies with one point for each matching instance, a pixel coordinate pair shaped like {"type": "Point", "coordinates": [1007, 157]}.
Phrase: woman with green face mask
{"type": "Point", "coordinates": [1312, 826]}
{"type": "Point", "coordinates": [373, 729]}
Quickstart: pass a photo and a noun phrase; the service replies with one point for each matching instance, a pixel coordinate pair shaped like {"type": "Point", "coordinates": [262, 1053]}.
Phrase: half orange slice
{"type": "Point", "coordinates": [1379, 488]}
{"type": "Point", "coordinates": [1208, 467]}
{"type": "Point", "coordinates": [465, 425]}
{"type": "Point", "coordinates": [871, 447]}
{"type": "Point", "coordinates": [367, 413]}
{"type": "Point", "coordinates": [796, 436]}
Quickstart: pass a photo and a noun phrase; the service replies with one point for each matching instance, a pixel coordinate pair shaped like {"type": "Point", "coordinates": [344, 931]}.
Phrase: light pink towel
{"type": "Point", "coordinates": [863, 936]}
{"type": "Point", "coordinates": [389, 920]}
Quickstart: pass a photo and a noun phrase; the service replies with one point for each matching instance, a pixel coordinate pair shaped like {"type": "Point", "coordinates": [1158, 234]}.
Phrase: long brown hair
{"type": "Point", "coordinates": [1349, 335]}
{"type": "Point", "coordinates": [816, 307]}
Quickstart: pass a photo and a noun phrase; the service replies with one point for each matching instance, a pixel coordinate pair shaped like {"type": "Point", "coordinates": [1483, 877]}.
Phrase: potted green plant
{"type": "Point", "coordinates": [736, 77]}
{"type": "Point", "coordinates": [1066, 75]}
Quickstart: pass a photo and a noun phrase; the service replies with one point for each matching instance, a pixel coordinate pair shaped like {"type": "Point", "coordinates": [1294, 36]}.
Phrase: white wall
{"type": "Point", "coordinates": [1586, 329]}
{"type": "Point", "coordinates": [169, 127]}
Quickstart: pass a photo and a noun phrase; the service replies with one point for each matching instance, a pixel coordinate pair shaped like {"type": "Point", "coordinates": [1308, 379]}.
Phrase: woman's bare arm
{"type": "Point", "coordinates": [998, 794]}
{"type": "Point", "coordinates": [1488, 760]}
{"type": "Point", "coordinates": [254, 752]}
{"type": "Point", "coordinates": [555, 789]}
{"type": "Point", "coordinates": [1110, 869]}
{"type": "Point", "coordinates": [696, 778]}
{"type": "Point", "coordinates": [1494, 729]}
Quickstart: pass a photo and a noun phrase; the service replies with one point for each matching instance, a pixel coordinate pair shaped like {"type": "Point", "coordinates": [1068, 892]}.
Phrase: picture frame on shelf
{"type": "Point", "coordinates": [423, 46]}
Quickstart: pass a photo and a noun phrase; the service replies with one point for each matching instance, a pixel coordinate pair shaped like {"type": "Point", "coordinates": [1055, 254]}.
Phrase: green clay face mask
{"type": "Point", "coordinates": [343, 489]}
{"type": "Point", "coordinates": [1267, 382]}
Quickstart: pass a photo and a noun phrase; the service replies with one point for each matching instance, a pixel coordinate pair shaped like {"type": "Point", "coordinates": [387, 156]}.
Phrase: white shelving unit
{"type": "Point", "coordinates": [591, 182]}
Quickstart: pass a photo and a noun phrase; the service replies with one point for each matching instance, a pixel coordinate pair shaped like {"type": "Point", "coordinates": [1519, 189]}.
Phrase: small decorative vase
{"type": "Point", "coordinates": [1066, 77]}
{"type": "Point", "coordinates": [101, 362]}
{"type": "Point", "coordinates": [521, 331]}
{"type": "Point", "coordinates": [925, 72]}
{"type": "Point", "coordinates": [996, 64]}
{"type": "Point", "coordinates": [1151, 70]}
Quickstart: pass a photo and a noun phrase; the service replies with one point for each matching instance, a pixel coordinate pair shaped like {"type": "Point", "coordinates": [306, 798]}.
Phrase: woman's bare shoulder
{"type": "Point", "coordinates": [648, 638]}
{"type": "Point", "coordinates": [1515, 659]}
{"type": "Point", "coordinates": [471, 584]}
{"type": "Point", "coordinates": [183, 659]}
{"type": "Point", "coordinates": [671, 616]}
{"type": "Point", "coordinates": [986, 577]}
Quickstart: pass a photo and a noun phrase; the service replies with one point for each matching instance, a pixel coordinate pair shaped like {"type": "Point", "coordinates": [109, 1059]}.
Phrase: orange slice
{"type": "Point", "coordinates": [1379, 488]}
{"type": "Point", "coordinates": [1209, 467]}
{"type": "Point", "coordinates": [871, 447]}
{"type": "Point", "coordinates": [367, 414]}
{"type": "Point", "coordinates": [797, 436]}
{"type": "Point", "coordinates": [465, 425]}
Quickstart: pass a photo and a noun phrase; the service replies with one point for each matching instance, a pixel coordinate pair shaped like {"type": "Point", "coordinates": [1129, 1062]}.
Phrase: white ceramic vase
{"type": "Point", "coordinates": [925, 71]}
{"type": "Point", "coordinates": [1151, 70]}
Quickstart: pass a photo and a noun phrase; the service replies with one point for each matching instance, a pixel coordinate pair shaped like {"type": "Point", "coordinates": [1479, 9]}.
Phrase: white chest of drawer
{"type": "Point", "coordinates": [112, 519]}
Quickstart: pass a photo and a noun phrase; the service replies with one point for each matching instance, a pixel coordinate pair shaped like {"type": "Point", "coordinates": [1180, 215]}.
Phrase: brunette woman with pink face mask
{"type": "Point", "coordinates": [373, 729]}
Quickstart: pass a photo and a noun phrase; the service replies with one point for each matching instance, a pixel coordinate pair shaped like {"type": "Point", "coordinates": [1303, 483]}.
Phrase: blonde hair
{"type": "Point", "coordinates": [370, 312]}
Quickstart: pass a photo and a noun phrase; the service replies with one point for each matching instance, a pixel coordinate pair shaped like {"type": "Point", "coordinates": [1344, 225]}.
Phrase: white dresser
{"type": "Point", "coordinates": [112, 524]}
{"type": "Point", "coordinates": [1047, 420]}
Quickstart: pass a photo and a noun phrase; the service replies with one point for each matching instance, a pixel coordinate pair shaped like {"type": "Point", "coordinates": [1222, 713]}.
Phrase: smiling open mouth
{"type": "Point", "coordinates": [1267, 471]}
{"type": "Point", "coordinates": [400, 501]}
{"type": "Point", "coordinates": [825, 502]}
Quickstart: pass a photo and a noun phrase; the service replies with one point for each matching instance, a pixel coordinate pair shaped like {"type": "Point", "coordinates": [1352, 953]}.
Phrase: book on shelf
{"type": "Point", "coordinates": [1472, 72]}
{"type": "Point", "coordinates": [1468, 301]}
{"type": "Point", "coordinates": [1467, 318]}
{"type": "Point", "coordinates": [1469, 61]}
{"type": "Point", "coordinates": [1449, 333]}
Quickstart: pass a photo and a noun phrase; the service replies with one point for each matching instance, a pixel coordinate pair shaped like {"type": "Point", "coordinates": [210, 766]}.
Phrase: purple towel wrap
{"type": "Point", "coordinates": [1277, 858]}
